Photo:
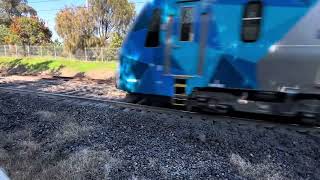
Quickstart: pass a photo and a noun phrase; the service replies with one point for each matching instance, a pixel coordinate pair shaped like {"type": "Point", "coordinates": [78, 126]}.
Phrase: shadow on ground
{"type": "Point", "coordinates": [17, 67]}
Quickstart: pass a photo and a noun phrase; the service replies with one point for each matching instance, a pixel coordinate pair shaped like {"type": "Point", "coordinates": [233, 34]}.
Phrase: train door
{"type": "Point", "coordinates": [183, 47]}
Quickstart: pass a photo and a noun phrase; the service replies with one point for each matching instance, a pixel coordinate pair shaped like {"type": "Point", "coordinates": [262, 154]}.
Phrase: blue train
{"type": "Point", "coordinates": [245, 55]}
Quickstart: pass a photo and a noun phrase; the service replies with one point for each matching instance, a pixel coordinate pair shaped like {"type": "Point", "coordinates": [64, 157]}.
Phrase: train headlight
{"type": "Point", "coordinates": [273, 48]}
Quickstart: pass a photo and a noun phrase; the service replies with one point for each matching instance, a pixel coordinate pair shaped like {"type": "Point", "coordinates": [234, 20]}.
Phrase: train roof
{"type": "Point", "coordinates": [235, 2]}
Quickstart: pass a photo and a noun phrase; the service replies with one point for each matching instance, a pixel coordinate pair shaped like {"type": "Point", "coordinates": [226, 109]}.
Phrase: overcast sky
{"type": "Point", "coordinates": [47, 9]}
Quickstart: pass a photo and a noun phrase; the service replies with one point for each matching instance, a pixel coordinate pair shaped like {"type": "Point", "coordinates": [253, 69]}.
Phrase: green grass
{"type": "Point", "coordinates": [41, 64]}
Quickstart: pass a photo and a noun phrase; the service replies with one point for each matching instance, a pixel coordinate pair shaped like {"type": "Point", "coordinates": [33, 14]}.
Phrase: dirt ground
{"type": "Point", "coordinates": [89, 88]}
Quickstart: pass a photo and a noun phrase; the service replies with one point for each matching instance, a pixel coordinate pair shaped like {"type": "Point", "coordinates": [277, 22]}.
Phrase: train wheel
{"type": "Point", "coordinates": [310, 119]}
{"type": "Point", "coordinates": [148, 100]}
{"type": "Point", "coordinates": [132, 98]}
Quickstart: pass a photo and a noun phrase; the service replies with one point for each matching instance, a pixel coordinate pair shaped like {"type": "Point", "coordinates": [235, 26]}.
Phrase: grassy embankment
{"type": "Point", "coordinates": [58, 67]}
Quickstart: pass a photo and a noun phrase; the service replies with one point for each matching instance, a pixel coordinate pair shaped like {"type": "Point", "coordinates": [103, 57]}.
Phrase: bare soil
{"type": "Point", "coordinates": [86, 87]}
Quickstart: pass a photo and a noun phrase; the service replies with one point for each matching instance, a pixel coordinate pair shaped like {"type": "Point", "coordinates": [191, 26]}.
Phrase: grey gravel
{"type": "Point", "coordinates": [46, 138]}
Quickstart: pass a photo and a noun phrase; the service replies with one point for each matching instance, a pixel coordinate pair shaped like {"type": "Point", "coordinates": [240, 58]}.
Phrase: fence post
{"type": "Point", "coordinates": [5, 50]}
{"type": "Point", "coordinates": [85, 54]}
{"type": "Point", "coordinates": [28, 51]}
{"type": "Point", "coordinates": [40, 50]}
{"type": "Point", "coordinates": [55, 52]}
{"type": "Point", "coordinates": [102, 54]}
{"type": "Point", "coordinates": [16, 51]}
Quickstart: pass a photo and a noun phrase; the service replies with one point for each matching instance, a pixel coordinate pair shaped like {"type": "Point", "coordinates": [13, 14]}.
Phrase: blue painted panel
{"type": "Point", "coordinates": [184, 57]}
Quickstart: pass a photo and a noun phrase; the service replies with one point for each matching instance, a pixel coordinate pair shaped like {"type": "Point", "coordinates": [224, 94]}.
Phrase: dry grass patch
{"type": "Point", "coordinates": [86, 164]}
{"type": "Point", "coordinates": [25, 158]}
{"type": "Point", "coordinates": [46, 115]}
{"type": "Point", "coordinates": [22, 160]}
{"type": "Point", "coordinates": [255, 171]}
{"type": "Point", "coordinates": [72, 130]}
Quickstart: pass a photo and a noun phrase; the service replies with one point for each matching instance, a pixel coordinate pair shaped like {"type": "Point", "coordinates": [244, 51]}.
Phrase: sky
{"type": "Point", "coordinates": [47, 9]}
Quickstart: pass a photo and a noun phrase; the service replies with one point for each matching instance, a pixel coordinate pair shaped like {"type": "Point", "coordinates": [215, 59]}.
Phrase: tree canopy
{"type": "Point", "coordinates": [19, 24]}
{"type": "Point", "coordinates": [29, 31]}
{"type": "Point", "coordinates": [4, 34]}
{"type": "Point", "coordinates": [112, 16]}
{"type": "Point", "coordinates": [116, 41]}
{"type": "Point", "coordinates": [95, 25]}
{"type": "Point", "coordinates": [75, 26]}
{"type": "Point", "coordinates": [10, 9]}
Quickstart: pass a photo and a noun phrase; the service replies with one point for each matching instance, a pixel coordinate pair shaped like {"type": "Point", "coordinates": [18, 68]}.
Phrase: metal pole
{"type": "Point", "coordinates": [16, 51]}
{"type": "Point", "coordinates": [5, 50]}
{"type": "Point", "coordinates": [28, 51]}
{"type": "Point", "coordinates": [85, 54]}
{"type": "Point", "coordinates": [55, 52]}
{"type": "Point", "coordinates": [102, 54]}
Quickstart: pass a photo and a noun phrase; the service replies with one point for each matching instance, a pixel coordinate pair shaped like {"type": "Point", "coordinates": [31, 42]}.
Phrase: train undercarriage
{"type": "Point", "coordinates": [291, 105]}
{"type": "Point", "coordinates": [296, 108]}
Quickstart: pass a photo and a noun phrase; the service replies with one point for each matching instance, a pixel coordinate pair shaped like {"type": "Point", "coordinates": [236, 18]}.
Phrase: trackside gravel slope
{"type": "Point", "coordinates": [50, 138]}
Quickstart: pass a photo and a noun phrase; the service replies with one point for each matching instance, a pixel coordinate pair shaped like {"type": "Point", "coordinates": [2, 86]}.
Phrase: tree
{"type": "Point", "coordinates": [4, 34]}
{"type": "Point", "coordinates": [116, 41]}
{"type": "Point", "coordinates": [30, 31]}
{"type": "Point", "coordinates": [81, 27]}
{"type": "Point", "coordinates": [111, 16]}
{"type": "Point", "coordinates": [10, 9]}
{"type": "Point", "coordinates": [75, 26]}
{"type": "Point", "coordinates": [57, 43]}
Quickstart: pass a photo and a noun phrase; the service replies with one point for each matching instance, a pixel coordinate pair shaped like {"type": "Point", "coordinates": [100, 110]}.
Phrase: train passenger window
{"type": "Point", "coordinates": [186, 33]}
{"type": "Point", "coordinates": [153, 39]}
{"type": "Point", "coordinates": [251, 22]}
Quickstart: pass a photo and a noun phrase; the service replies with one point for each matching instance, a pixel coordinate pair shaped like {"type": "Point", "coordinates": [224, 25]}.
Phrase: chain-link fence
{"type": "Point", "coordinates": [87, 54]}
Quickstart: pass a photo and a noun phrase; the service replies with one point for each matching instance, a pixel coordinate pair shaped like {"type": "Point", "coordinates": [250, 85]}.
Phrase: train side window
{"type": "Point", "coordinates": [153, 36]}
{"type": "Point", "coordinates": [186, 33]}
{"type": "Point", "coordinates": [251, 22]}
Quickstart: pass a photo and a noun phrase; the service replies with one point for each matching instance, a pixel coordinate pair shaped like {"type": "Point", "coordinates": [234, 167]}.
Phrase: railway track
{"type": "Point", "coordinates": [277, 124]}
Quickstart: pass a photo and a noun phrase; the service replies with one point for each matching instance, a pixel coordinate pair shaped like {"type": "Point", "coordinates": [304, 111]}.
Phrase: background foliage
{"type": "Point", "coordinates": [75, 26]}
{"type": "Point", "coordinates": [95, 26]}
{"type": "Point", "coordinates": [111, 16]}
{"type": "Point", "coordinates": [103, 23]}
{"type": "Point", "coordinates": [29, 31]}
{"type": "Point", "coordinates": [10, 9]}
{"type": "Point", "coordinates": [4, 34]}
{"type": "Point", "coordinates": [20, 25]}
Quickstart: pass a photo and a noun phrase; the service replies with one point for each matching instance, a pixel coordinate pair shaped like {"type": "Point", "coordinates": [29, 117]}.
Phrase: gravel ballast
{"type": "Point", "coordinates": [50, 138]}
